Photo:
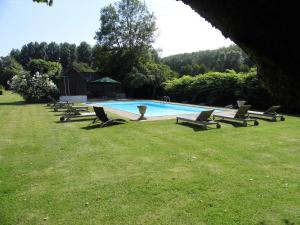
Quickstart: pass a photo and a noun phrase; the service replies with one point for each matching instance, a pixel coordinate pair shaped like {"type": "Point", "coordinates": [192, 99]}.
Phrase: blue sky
{"type": "Point", "coordinates": [180, 29]}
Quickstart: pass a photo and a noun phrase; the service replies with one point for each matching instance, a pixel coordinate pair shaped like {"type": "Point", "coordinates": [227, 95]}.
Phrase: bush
{"type": "Point", "coordinates": [33, 88]}
{"type": "Point", "coordinates": [82, 67]}
{"type": "Point", "coordinates": [8, 68]}
{"type": "Point", "coordinates": [53, 69]}
{"type": "Point", "coordinates": [216, 88]}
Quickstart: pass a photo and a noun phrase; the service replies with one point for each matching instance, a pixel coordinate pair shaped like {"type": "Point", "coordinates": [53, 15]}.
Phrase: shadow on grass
{"type": "Point", "coordinates": [57, 114]}
{"type": "Point", "coordinates": [285, 221]}
{"type": "Point", "coordinates": [265, 119]}
{"type": "Point", "coordinates": [17, 103]}
{"type": "Point", "coordinates": [235, 124]}
{"type": "Point", "coordinates": [288, 222]}
{"type": "Point", "coordinates": [75, 120]}
{"type": "Point", "coordinates": [195, 127]}
{"type": "Point", "coordinates": [94, 126]}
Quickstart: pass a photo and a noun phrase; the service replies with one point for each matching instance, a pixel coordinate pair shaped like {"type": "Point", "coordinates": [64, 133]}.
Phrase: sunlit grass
{"type": "Point", "coordinates": [145, 173]}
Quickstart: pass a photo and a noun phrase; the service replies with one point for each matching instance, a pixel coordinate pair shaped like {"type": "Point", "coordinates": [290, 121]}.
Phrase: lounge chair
{"type": "Point", "coordinates": [230, 106]}
{"type": "Point", "coordinates": [203, 119]}
{"type": "Point", "coordinates": [57, 104]}
{"type": "Point", "coordinates": [103, 119]}
{"type": "Point", "coordinates": [73, 112]}
{"type": "Point", "coordinates": [241, 115]}
{"type": "Point", "coordinates": [61, 105]}
{"type": "Point", "coordinates": [269, 113]}
{"type": "Point", "coordinates": [74, 108]}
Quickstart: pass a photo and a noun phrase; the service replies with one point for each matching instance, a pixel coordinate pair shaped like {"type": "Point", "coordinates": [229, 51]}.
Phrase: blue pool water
{"type": "Point", "coordinates": [153, 108]}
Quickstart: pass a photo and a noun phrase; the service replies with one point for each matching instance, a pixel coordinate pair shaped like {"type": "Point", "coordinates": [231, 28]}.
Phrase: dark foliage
{"type": "Point", "coordinates": [210, 60]}
{"type": "Point", "coordinates": [216, 88]}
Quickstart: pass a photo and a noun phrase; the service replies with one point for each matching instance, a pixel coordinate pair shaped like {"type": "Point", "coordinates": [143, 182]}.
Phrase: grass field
{"type": "Point", "coordinates": [145, 173]}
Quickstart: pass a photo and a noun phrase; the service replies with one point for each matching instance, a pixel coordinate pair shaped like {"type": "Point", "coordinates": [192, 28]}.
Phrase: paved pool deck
{"type": "Point", "coordinates": [135, 117]}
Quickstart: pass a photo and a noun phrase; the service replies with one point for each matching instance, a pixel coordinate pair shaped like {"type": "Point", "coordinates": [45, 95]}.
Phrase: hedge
{"type": "Point", "coordinates": [219, 89]}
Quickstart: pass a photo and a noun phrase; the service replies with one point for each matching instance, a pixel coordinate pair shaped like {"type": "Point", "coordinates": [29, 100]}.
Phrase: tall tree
{"type": "Point", "coordinates": [84, 53]}
{"type": "Point", "coordinates": [32, 50]}
{"type": "Point", "coordinates": [48, 2]}
{"type": "Point", "coordinates": [9, 67]}
{"type": "Point", "coordinates": [53, 52]}
{"type": "Point", "coordinates": [67, 54]}
{"type": "Point", "coordinates": [233, 60]}
{"type": "Point", "coordinates": [127, 29]}
{"type": "Point", "coordinates": [40, 51]}
{"type": "Point", "coordinates": [15, 53]}
{"type": "Point", "coordinates": [24, 56]}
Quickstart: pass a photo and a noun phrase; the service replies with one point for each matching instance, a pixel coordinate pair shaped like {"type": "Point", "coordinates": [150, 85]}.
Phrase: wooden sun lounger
{"type": "Point", "coordinates": [103, 118]}
{"type": "Point", "coordinates": [241, 115]}
{"type": "Point", "coordinates": [74, 108]}
{"type": "Point", "coordinates": [61, 105]}
{"type": "Point", "coordinates": [74, 112]}
{"type": "Point", "coordinates": [269, 113]}
{"type": "Point", "coordinates": [203, 119]}
{"type": "Point", "coordinates": [57, 104]}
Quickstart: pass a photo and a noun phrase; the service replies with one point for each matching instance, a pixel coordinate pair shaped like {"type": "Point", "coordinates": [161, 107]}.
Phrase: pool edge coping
{"type": "Point", "coordinates": [134, 117]}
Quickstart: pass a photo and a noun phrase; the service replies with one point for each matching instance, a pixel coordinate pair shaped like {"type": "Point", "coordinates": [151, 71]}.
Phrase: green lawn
{"type": "Point", "coordinates": [145, 173]}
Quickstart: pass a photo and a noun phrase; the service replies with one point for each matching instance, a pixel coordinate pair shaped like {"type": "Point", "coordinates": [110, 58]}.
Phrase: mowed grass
{"type": "Point", "coordinates": [145, 172]}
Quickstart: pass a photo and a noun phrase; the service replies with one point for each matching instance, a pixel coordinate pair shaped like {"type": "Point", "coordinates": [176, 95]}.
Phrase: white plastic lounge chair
{"type": "Point", "coordinates": [269, 113]}
{"type": "Point", "coordinates": [241, 115]}
{"type": "Point", "coordinates": [203, 119]}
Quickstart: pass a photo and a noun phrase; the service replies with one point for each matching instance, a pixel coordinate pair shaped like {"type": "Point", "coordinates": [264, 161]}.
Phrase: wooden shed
{"type": "Point", "coordinates": [82, 85]}
{"type": "Point", "coordinates": [74, 83]}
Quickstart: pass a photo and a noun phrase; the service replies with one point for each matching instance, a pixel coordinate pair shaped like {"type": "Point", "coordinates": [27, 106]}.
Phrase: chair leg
{"type": "Point", "coordinates": [94, 120]}
{"type": "Point", "coordinates": [102, 124]}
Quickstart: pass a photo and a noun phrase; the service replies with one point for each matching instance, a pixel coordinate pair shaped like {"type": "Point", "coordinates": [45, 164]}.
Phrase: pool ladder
{"type": "Point", "coordinates": [165, 99]}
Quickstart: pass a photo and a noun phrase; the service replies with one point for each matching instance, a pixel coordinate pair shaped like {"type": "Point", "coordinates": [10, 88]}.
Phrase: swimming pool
{"type": "Point", "coordinates": [154, 108]}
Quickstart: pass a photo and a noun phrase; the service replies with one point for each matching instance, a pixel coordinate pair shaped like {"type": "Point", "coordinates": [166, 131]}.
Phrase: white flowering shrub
{"type": "Point", "coordinates": [33, 88]}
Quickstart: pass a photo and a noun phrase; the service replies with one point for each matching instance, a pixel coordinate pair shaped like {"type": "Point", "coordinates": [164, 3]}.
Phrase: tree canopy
{"type": "Point", "coordinates": [48, 2]}
{"type": "Point", "coordinates": [53, 69]}
{"type": "Point", "coordinates": [127, 24]}
{"type": "Point", "coordinates": [8, 68]}
{"type": "Point", "coordinates": [125, 38]}
{"type": "Point", "coordinates": [84, 53]}
{"type": "Point", "coordinates": [221, 59]}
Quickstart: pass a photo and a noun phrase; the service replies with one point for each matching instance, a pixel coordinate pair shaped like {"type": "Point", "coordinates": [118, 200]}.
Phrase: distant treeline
{"type": "Point", "coordinates": [64, 53]}
{"type": "Point", "coordinates": [200, 62]}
